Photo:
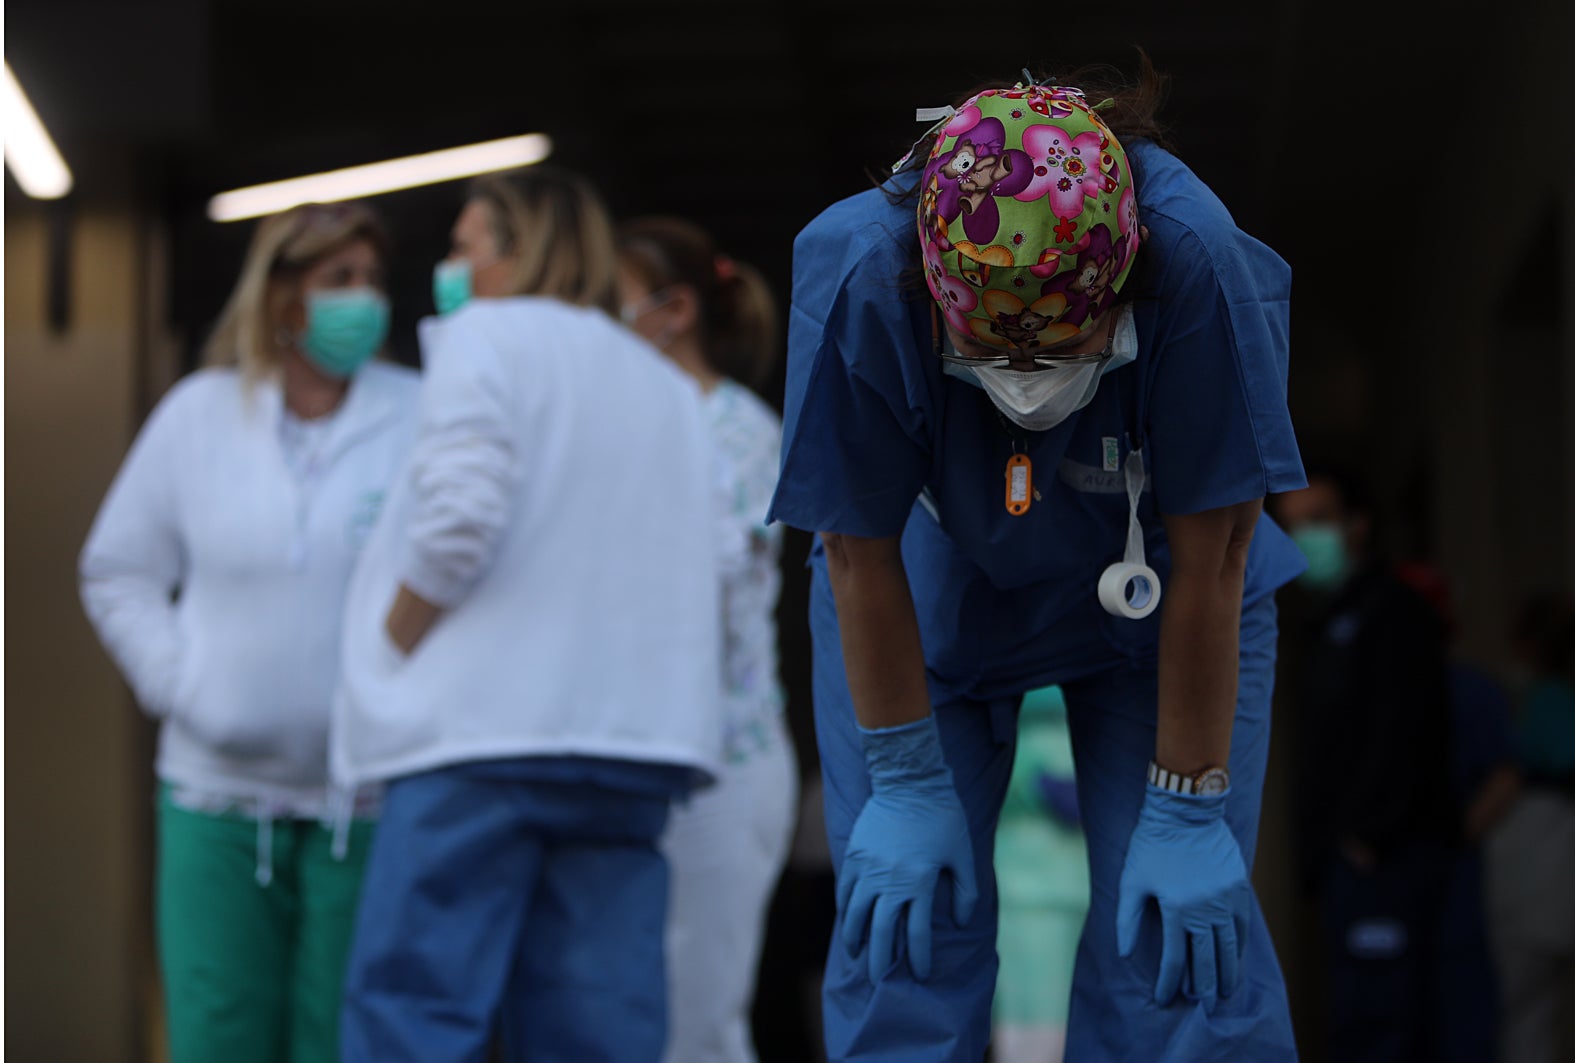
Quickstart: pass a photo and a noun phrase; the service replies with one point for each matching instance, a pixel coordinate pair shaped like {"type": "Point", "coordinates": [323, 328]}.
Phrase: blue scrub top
{"type": "Point", "coordinates": [1008, 603]}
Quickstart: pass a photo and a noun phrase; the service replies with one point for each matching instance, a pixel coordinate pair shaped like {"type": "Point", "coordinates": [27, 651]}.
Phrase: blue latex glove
{"type": "Point", "coordinates": [1060, 797]}
{"type": "Point", "coordinates": [1184, 856]}
{"type": "Point", "coordinates": [910, 830]}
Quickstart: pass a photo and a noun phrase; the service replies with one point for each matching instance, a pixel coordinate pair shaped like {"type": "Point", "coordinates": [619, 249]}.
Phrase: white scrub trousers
{"type": "Point", "coordinates": [725, 849]}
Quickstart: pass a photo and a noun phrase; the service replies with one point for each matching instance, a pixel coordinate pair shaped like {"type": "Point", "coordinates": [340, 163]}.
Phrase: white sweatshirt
{"type": "Point", "coordinates": [559, 505]}
{"type": "Point", "coordinates": [242, 666]}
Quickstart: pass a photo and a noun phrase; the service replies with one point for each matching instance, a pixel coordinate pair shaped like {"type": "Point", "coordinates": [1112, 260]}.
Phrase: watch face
{"type": "Point", "coordinates": [1212, 783]}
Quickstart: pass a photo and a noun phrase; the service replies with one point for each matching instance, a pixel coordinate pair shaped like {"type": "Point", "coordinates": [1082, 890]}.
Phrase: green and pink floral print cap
{"type": "Point", "coordinates": [1027, 216]}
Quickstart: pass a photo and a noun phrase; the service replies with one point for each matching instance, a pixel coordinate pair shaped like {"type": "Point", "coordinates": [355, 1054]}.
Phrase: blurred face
{"type": "Point", "coordinates": [1329, 537]}
{"type": "Point", "coordinates": [355, 265]}
{"type": "Point", "coordinates": [658, 316]}
{"type": "Point", "coordinates": [474, 238]}
{"type": "Point", "coordinates": [1317, 503]}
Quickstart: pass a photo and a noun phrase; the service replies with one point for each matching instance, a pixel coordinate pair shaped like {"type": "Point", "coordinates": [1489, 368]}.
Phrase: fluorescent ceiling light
{"type": "Point", "coordinates": [378, 177]}
{"type": "Point", "coordinates": [30, 154]}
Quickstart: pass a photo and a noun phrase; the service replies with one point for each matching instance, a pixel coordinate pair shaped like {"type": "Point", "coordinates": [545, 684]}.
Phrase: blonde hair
{"type": "Point", "coordinates": [738, 314]}
{"type": "Point", "coordinates": [284, 246]}
{"type": "Point", "coordinates": [559, 232]}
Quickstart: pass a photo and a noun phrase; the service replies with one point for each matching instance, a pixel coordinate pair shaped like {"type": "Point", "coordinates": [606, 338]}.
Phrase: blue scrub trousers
{"type": "Point", "coordinates": [496, 897]}
{"type": "Point", "coordinates": [1410, 973]}
{"type": "Point", "coordinates": [1113, 1015]}
{"type": "Point", "coordinates": [1467, 979]}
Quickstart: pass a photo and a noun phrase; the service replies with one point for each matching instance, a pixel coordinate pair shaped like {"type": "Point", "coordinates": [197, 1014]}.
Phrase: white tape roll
{"type": "Point", "coordinates": [1129, 589]}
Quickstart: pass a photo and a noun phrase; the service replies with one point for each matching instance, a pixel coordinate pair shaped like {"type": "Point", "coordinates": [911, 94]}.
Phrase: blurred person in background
{"type": "Point", "coordinates": [215, 574]}
{"type": "Point", "coordinates": [1041, 870]}
{"type": "Point", "coordinates": [1377, 820]}
{"type": "Point", "coordinates": [1531, 855]}
{"type": "Point", "coordinates": [1484, 782]}
{"type": "Point", "coordinates": [726, 846]}
{"type": "Point", "coordinates": [1096, 375]}
{"type": "Point", "coordinates": [531, 657]}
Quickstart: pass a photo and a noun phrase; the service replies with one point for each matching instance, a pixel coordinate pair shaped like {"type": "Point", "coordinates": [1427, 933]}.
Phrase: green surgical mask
{"type": "Point", "coordinates": [1323, 545]}
{"type": "Point", "coordinates": [451, 284]}
{"type": "Point", "coordinates": [345, 327]}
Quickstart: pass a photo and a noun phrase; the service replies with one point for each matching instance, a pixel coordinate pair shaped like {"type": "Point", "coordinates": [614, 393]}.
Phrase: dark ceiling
{"type": "Point", "coordinates": [748, 116]}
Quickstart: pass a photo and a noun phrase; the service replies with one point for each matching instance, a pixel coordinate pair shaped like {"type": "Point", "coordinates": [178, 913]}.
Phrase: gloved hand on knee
{"type": "Point", "coordinates": [1184, 856]}
{"type": "Point", "coordinates": [910, 830]}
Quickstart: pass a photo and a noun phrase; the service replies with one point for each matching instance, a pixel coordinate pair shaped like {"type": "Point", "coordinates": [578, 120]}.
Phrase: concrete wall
{"type": "Point", "coordinates": [77, 767]}
{"type": "Point", "coordinates": [1491, 332]}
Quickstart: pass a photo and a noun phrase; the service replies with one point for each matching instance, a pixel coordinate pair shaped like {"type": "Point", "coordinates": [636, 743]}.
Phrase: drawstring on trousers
{"type": "Point", "coordinates": [264, 873]}
{"type": "Point", "coordinates": [341, 809]}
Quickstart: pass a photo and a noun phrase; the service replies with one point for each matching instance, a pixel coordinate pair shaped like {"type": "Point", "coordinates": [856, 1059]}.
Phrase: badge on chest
{"type": "Point", "coordinates": [1019, 484]}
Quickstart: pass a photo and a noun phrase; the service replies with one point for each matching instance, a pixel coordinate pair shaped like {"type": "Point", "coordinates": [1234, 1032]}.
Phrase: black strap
{"type": "Point", "coordinates": [1015, 432]}
{"type": "Point", "coordinates": [1134, 390]}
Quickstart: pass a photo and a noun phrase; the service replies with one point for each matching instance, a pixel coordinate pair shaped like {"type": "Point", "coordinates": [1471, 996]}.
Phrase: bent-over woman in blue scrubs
{"type": "Point", "coordinates": [1049, 467]}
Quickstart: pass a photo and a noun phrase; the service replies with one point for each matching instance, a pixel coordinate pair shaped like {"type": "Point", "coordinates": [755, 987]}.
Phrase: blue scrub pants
{"type": "Point", "coordinates": [1113, 1015]}
{"type": "Point", "coordinates": [1410, 973]}
{"type": "Point", "coordinates": [1468, 981]}
{"type": "Point", "coordinates": [495, 897]}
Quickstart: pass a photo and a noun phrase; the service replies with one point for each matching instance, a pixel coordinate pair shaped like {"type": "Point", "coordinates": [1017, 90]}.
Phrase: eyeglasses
{"type": "Point", "coordinates": [1045, 360]}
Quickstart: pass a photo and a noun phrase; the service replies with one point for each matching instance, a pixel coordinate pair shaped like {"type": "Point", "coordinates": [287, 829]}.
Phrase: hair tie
{"type": "Point", "coordinates": [726, 268]}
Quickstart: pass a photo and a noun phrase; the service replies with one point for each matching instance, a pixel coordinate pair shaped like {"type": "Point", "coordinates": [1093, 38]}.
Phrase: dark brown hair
{"type": "Point", "coordinates": [1135, 103]}
{"type": "Point", "coordinates": [738, 315]}
{"type": "Point", "coordinates": [1130, 107]}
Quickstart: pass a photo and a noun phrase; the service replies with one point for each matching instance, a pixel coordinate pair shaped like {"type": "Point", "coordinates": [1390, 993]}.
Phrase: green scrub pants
{"type": "Point", "coordinates": [252, 972]}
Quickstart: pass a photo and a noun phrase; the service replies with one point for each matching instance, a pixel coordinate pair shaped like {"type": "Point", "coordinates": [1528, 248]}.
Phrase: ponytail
{"type": "Point", "coordinates": [738, 315]}
{"type": "Point", "coordinates": [743, 335]}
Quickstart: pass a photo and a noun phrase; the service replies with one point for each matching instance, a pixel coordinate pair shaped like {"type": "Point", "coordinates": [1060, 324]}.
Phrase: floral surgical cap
{"type": "Point", "coordinates": [1027, 216]}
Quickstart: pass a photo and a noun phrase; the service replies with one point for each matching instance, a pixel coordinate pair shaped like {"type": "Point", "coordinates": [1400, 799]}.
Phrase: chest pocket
{"type": "Point", "coordinates": [365, 510]}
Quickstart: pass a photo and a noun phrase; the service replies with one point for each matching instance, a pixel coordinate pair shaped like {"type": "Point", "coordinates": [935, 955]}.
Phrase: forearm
{"type": "Point", "coordinates": [132, 563]}
{"type": "Point", "coordinates": [1200, 640]}
{"type": "Point", "coordinates": [1199, 646]}
{"type": "Point", "coordinates": [464, 476]}
{"type": "Point", "coordinates": [881, 650]}
{"type": "Point", "coordinates": [1492, 800]}
{"type": "Point", "coordinates": [454, 534]}
{"type": "Point", "coordinates": [136, 623]}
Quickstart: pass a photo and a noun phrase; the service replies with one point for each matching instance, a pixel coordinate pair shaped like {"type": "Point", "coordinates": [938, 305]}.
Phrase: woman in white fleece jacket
{"type": "Point", "coordinates": [215, 574]}
{"type": "Point", "coordinates": [531, 657]}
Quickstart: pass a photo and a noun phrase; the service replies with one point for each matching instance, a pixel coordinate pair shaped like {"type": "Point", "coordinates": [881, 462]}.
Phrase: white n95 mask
{"type": "Point", "coordinates": [1042, 398]}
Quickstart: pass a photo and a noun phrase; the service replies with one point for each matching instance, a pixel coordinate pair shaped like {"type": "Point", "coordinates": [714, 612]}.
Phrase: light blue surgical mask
{"type": "Point", "coordinates": [630, 313]}
{"type": "Point", "coordinates": [451, 284]}
{"type": "Point", "coordinates": [1323, 544]}
{"type": "Point", "coordinates": [345, 327]}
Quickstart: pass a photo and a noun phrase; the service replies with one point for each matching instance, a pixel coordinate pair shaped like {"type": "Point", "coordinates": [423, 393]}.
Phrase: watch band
{"type": "Point", "coordinates": [1210, 781]}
